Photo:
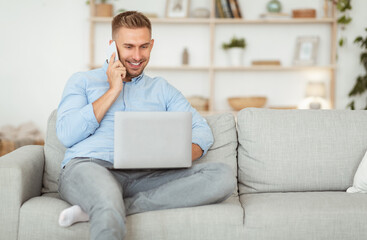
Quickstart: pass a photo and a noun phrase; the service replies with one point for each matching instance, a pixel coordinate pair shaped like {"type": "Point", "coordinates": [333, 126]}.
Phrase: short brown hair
{"type": "Point", "coordinates": [130, 19]}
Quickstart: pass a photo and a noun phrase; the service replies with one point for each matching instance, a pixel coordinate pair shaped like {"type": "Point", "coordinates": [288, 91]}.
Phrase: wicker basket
{"type": "Point", "coordinates": [304, 13]}
{"type": "Point", "coordinates": [104, 10]}
{"type": "Point", "coordinates": [238, 103]}
{"type": "Point", "coordinates": [199, 103]}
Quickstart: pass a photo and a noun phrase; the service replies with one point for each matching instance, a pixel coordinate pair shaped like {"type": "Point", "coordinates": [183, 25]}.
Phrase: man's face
{"type": "Point", "coordinates": [134, 47]}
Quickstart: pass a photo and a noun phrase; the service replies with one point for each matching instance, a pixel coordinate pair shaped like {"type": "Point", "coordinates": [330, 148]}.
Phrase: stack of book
{"type": "Point", "coordinates": [227, 9]}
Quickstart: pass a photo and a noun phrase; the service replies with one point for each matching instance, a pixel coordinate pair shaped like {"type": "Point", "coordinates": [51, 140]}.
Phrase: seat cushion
{"type": "Point", "coordinates": [299, 150]}
{"type": "Point", "coordinates": [210, 222]}
{"type": "Point", "coordinates": [39, 220]}
{"type": "Point", "coordinates": [313, 215]}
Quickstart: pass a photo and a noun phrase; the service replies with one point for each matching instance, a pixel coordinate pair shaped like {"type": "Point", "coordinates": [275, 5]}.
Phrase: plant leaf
{"type": "Point", "coordinates": [359, 87]}
{"type": "Point", "coordinates": [343, 5]}
{"type": "Point", "coordinates": [344, 20]}
{"type": "Point", "coordinates": [351, 105]}
{"type": "Point", "coordinates": [358, 39]}
{"type": "Point", "coordinates": [363, 57]}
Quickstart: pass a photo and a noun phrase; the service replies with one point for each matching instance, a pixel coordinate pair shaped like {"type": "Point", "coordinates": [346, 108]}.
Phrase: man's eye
{"type": "Point", "coordinates": [144, 46]}
{"type": "Point", "coordinates": [128, 47]}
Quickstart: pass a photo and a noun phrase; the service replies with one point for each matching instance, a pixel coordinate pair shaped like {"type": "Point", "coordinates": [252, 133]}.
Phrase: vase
{"type": "Point", "coordinates": [274, 6]}
{"type": "Point", "coordinates": [235, 56]}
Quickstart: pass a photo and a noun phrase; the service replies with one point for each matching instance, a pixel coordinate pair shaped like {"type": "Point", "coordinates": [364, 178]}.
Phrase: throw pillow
{"type": "Point", "coordinates": [360, 178]}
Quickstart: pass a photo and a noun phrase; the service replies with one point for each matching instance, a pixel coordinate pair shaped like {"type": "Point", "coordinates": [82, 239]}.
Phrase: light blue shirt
{"type": "Point", "coordinates": [78, 129]}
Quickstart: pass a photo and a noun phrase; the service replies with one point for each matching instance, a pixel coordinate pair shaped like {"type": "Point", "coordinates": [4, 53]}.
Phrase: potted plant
{"type": "Point", "coordinates": [360, 86]}
{"type": "Point", "coordinates": [235, 49]}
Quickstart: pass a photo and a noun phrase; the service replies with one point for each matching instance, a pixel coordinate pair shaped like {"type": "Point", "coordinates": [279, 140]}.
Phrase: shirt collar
{"type": "Point", "coordinates": [134, 80]}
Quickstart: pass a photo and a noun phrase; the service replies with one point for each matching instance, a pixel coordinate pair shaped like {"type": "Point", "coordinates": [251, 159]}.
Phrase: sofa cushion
{"type": "Point", "coordinates": [39, 220]}
{"type": "Point", "coordinates": [210, 222]}
{"type": "Point", "coordinates": [304, 216]}
{"type": "Point", "coordinates": [223, 150]}
{"type": "Point", "coordinates": [54, 154]}
{"type": "Point", "coordinates": [299, 150]}
{"type": "Point", "coordinates": [360, 178]}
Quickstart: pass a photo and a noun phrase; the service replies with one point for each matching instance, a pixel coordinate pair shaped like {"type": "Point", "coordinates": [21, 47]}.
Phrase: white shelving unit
{"type": "Point", "coordinates": [213, 23]}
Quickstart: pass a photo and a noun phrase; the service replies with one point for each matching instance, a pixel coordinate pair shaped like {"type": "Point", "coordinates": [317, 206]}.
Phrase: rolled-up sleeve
{"type": "Point", "coordinates": [201, 132]}
{"type": "Point", "coordinates": [75, 116]}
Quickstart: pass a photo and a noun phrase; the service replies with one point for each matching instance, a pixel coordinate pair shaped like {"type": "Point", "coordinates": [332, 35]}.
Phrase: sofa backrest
{"type": "Point", "coordinates": [223, 150]}
{"type": "Point", "coordinates": [299, 150]}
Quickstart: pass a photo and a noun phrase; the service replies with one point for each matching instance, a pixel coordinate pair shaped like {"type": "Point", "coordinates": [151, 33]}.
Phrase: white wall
{"type": "Point", "coordinates": [43, 42]}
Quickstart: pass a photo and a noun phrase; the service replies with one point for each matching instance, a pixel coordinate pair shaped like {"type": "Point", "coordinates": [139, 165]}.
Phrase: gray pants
{"type": "Point", "coordinates": [108, 195]}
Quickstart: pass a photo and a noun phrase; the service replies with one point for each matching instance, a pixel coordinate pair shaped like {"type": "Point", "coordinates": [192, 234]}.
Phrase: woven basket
{"type": "Point", "coordinates": [199, 103]}
{"type": "Point", "coordinates": [104, 10]}
{"type": "Point", "coordinates": [304, 13]}
{"type": "Point", "coordinates": [238, 103]}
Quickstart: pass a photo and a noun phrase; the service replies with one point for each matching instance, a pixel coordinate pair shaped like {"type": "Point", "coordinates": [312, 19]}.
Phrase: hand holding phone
{"type": "Point", "coordinates": [110, 50]}
{"type": "Point", "coordinates": [116, 72]}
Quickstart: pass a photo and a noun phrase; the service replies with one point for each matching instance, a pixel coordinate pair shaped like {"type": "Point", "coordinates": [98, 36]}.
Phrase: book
{"type": "Point", "coordinates": [226, 10]}
{"type": "Point", "coordinates": [266, 63]}
{"type": "Point", "coordinates": [216, 11]}
{"type": "Point", "coordinates": [234, 9]}
{"type": "Point", "coordinates": [219, 8]}
{"type": "Point", "coordinates": [230, 9]}
{"type": "Point", "coordinates": [238, 8]}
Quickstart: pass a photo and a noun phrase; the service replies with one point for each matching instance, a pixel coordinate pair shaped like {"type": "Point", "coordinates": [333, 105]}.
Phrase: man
{"type": "Point", "coordinates": [85, 126]}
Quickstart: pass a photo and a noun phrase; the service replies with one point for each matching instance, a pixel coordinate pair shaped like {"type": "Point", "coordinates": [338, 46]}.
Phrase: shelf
{"type": "Point", "coordinates": [161, 20]}
{"type": "Point", "coordinates": [216, 26]}
{"type": "Point", "coordinates": [274, 68]}
{"type": "Point", "coordinates": [243, 68]}
{"type": "Point", "coordinates": [235, 113]}
{"type": "Point", "coordinates": [208, 113]}
{"type": "Point", "coordinates": [177, 68]}
{"type": "Point", "coordinates": [167, 68]}
{"type": "Point", "coordinates": [101, 19]}
{"type": "Point", "coordinates": [227, 20]}
{"type": "Point", "coordinates": [274, 21]}
{"type": "Point", "coordinates": [181, 20]}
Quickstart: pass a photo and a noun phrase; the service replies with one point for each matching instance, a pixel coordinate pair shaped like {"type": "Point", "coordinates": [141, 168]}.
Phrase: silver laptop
{"type": "Point", "coordinates": [146, 140]}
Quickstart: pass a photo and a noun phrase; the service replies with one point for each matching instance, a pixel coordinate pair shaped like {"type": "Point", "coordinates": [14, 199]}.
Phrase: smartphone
{"type": "Point", "coordinates": [112, 49]}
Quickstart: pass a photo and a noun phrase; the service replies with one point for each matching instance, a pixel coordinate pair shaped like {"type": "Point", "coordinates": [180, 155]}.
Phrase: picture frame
{"type": "Point", "coordinates": [177, 8]}
{"type": "Point", "coordinates": [306, 50]}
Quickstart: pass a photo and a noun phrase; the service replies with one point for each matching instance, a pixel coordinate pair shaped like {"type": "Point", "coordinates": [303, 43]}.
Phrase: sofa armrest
{"type": "Point", "coordinates": [20, 179]}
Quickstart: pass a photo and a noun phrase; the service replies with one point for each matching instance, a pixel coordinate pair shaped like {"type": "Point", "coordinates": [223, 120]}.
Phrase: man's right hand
{"type": "Point", "coordinates": [116, 73]}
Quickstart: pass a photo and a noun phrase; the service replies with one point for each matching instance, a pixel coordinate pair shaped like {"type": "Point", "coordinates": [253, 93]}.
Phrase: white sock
{"type": "Point", "coordinates": [72, 215]}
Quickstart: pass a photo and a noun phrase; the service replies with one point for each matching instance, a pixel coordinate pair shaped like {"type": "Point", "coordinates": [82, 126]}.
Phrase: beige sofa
{"type": "Point", "coordinates": [293, 168]}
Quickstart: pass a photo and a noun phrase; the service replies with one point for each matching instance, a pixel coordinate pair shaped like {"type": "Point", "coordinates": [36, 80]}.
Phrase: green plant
{"type": "Point", "coordinates": [343, 6]}
{"type": "Point", "coordinates": [361, 83]}
{"type": "Point", "coordinates": [235, 42]}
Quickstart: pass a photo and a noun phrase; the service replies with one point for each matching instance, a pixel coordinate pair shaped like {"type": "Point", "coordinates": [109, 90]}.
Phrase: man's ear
{"type": "Point", "coordinates": [151, 44]}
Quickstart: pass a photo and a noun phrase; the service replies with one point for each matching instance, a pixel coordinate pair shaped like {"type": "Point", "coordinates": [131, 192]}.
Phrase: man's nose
{"type": "Point", "coordinates": [137, 54]}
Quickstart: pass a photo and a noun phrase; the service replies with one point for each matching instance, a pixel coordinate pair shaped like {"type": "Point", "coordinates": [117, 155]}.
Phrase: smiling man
{"type": "Point", "coordinates": [85, 125]}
